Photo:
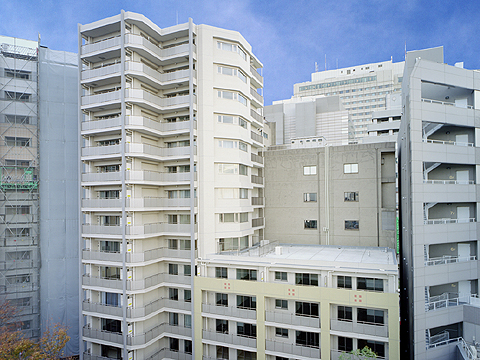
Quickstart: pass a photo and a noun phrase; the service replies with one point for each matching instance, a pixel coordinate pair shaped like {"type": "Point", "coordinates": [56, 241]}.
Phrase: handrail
{"type": "Point", "coordinates": [448, 221]}
{"type": "Point", "coordinates": [448, 142]}
{"type": "Point", "coordinates": [445, 301]}
{"type": "Point", "coordinates": [431, 101]}
{"type": "Point", "coordinates": [456, 182]}
{"type": "Point", "coordinates": [447, 259]}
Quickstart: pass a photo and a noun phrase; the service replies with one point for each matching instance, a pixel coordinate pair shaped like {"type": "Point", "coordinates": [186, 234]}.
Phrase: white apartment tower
{"type": "Point", "coordinates": [172, 169]}
{"type": "Point", "coordinates": [361, 88]}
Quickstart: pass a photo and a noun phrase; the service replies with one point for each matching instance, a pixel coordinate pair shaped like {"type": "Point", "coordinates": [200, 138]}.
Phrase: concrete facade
{"type": "Point", "coordinates": [279, 301]}
{"type": "Point", "coordinates": [331, 195]}
{"type": "Point", "coordinates": [438, 172]}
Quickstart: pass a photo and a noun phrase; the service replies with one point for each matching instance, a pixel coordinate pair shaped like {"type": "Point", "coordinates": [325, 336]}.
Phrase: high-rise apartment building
{"type": "Point", "coordinates": [38, 226]}
{"type": "Point", "coordinates": [172, 132]}
{"type": "Point", "coordinates": [439, 172]}
{"type": "Point", "coordinates": [362, 90]}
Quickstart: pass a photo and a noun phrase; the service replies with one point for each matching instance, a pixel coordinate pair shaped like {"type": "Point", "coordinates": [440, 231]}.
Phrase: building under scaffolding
{"type": "Point", "coordinates": [39, 269]}
{"type": "Point", "coordinates": [19, 201]}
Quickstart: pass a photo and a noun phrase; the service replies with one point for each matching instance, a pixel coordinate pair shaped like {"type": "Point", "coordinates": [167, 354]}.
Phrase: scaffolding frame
{"type": "Point", "coordinates": [19, 197]}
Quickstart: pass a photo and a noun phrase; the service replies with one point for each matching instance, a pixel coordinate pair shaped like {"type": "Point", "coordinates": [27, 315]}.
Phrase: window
{"type": "Point", "coordinates": [173, 319]}
{"type": "Point", "coordinates": [243, 146]}
{"type": "Point", "coordinates": [179, 219]}
{"type": "Point", "coordinates": [281, 304]}
{"type": "Point", "coordinates": [350, 168]}
{"type": "Point", "coordinates": [173, 269]}
{"type": "Point", "coordinates": [17, 209]}
{"type": "Point", "coordinates": [17, 119]}
{"type": "Point", "coordinates": [344, 282]}
{"type": "Point", "coordinates": [351, 196]}
{"type": "Point", "coordinates": [351, 225]}
{"type": "Point", "coordinates": [246, 274]}
{"type": "Point", "coordinates": [12, 95]}
{"type": "Point", "coordinates": [306, 309]}
{"type": "Point", "coordinates": [221, 299]}
{"type": "Point", "coordinates": [370, 284]}
{"type": "Point", "coordinates": [244, 329]}
{"type": "Point", "coordinates": [173, 294]}
{"type": "Point", "coordinates": [242, 122]}
{"type": "Point", "coordinates": [370, 316]}
{"type": "Point", "coordinates": [344, 313]}
{"type": "Point", "coordinates": [17, 141]}
{"type": "Point", "coordinates": [243, 194]}
{"type": "Point", "coordinates": [19, 74]}
{"type": "Point", "coordinates": [221, 272]}
{"type": "Point", "coordinates": [222, 352]}
{"type": "Point", "coordinates": [16, 232]}
{"type": "Point", "coordinates": [345, 344]}
{"type": "Point", "coordinates": [304, 338]}
{"type": "Point", "coordinates": [187, 270]}
{"type": "Point", "coordinates": [281, 332]}
{"type": "Point", "coordinates": [222, 326]}
{"type": "Point", "coordinates": [306, 279]}
{"type": "Point", "coordinates": [174, 344]}
{"type": "Point", "coordinates": [228, 168]}
{"type": "Point", "coordinates": [232, 47]}
{"type": "Point", "coordinates": [243, 170]}
{"type": "Point", "coordinates": [243, 217]}
{"type": "Point", "coordinates": [188, 343]}
{"type": "Point", "coordinates": [242, 99]}
{"type": "Point", "coordinates": [310, 224]}
{"type": "Point", "coordinates": [310, 170]}
{"type": "Point", "coordinates": [280, 275]}
{"type": "Point", "coordinates": [307, 197]}
{"type": "Point", "coordinates": [187, 295]}
{"type": "Point", "coordinates": [109, 194]}
{"type": "Point", "coordinates": [173, 244]}
{"type": "Point", "coordinates": [246, 302]}
{"type": "Point", "coordinates": [227, 144]}
{"type": "Point", "coordinates": [376, 346]}
{"type": "Point", "coordinates": [246, 355]}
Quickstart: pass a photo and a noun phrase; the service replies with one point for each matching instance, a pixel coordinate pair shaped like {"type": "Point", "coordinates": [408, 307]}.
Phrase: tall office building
{"type": "Point", "coordinates": [362, 90]}
{"type": "Point", "coordinates": [171, 124]}
{"type": "Point", "coordinates": [438, 170]}
{"type": "Point", "coordinates": [38, 225]}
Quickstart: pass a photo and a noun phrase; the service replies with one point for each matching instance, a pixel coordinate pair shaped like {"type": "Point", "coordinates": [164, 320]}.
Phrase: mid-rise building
{"type": "Point", "coordinates": [331, 195]}
{"type": "Point", "coordinates": [38, 226]}
{"type": "Point", "coordinates": [283, 301]}
{"type": "Point", "coordinates": [439, 172]}
{"type": "Point", "coordinates": [385, 123]}
{"type": "Point", "coordinates": [362, 90]}
{"type": "Point", "coordinates": [172, 169]}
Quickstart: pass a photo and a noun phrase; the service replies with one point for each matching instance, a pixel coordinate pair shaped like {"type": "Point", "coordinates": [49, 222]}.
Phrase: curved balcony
{"type": "Point", "coordinates": [156, 102]}
{"type": "Point", "coordinates": [92, 126]}
{"type": "Point", "coordinates": [90, 75]}
{"type": "Point", "coordinates": [139, 69]}
{"type": "Point", "coordinates": [159, 128]}
{"type": "Point", "coordinates": [158, 177]}
{"type": "Point", "coordinates": [142, 150]}
{"type": "Point", "coordinates": [101, 100]}
{"type": "Point", "coordinates": [146, 47]}
{"type": "Point", "coordinates": [109, 44]}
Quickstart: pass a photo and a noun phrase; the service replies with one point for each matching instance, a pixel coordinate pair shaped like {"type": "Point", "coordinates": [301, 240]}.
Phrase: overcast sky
{"type": "Point", "coordinates": [287, 36]}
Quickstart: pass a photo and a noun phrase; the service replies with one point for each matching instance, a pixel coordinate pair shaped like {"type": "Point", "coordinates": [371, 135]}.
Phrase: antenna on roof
{"type": "Point", "coordinates": [316, 66]}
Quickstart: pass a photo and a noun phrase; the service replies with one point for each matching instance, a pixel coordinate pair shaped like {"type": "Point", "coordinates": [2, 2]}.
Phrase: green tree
{"type": "Point", "coordinates": [365, 353]}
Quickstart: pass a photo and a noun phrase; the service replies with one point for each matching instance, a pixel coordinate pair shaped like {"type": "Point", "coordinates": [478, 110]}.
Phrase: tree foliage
{"type": "Point", "coordinates": [13, 345]}
{"type": "Point", "coordinates": [365, 353]}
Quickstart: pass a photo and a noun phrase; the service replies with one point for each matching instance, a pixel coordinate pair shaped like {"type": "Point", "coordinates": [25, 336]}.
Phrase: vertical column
{"type": "Point", "coordinates": [261, 330]}
{"type": "Point", "coordinates": [325, 329]}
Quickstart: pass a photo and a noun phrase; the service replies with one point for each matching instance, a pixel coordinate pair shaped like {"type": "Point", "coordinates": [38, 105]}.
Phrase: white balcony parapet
{"type": "Point", "coordinates": [138, 148]}
{"type": "Point", "coordinates": [448, 142]}
{"type": "Point", "coordinates": [137, 40]}
{"type": "Point", "coordinates": [102, 176]}
{"type": "Point", "coordinates": [160, 77]}
{"type": "Point", "coordinates": [160, 102]}
{"type": "Point", "coordinates": [101, 45]}
{"type": "Point", "coordinates": [101, 71]}
{"type": "Point", "coordinates": [443, 103]}
{"type": "Point", "coordinates": [451, 299]}
{"type": "Point", "coordinates": [450, 182]}
{"type": "Point", "coordinates": [140, 121]}
{"type": "Point", "coordinates": [101, 150]}
{"type": "Point", "coordinates": [101, 124]}
{"type": "Point", "coordinates": [256, 75]}
{"type": "Point", "coordinates": [230, 311]}
{"type": "Point", "coordinates": [294, 349]}
{"type": "Point", "coordinates": [448, 221]}
{"type": "Point", "coordinates": [112, 96]}
{"type": "Point", "coordinates": [449, 260]}
{"type": "Point", "coordinates": [147, 175]}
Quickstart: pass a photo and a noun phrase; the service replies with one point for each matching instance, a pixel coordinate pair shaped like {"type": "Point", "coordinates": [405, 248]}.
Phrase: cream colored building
{"type": "Point", "coordinates": [282, 301]}
{"type": "Point", "coordinates": [172, 132]}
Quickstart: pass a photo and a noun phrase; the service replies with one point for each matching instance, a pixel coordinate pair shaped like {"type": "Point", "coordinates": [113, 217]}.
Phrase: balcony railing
{"type": "Point", "coordinates": [112, 96]}
{"type": "Point", "coordinates": [102, 176]}
{"type": "Point", "coordinates": [101, 45]}
{"type": "Point", "coordinates": [157, 254]}
{"type": "Point", "coordinates": [256, 95]}
{"type": "Point", "coordinates": [258, 222]}
{"type": "Point", "coordinates": [161, 102]}
{"type": "Point", "coordinates": [256, 116]}
{"type": "Point", "coordinates": [256, 75]}
{"type": "Point", "coordinates": [448, 142]}
{"type": "Point", "coordinates": [102, 229]}
{"type": "Point", "coordinates": [366, 328]}
{"type": "Point", "coordinates": [137, 40]}
{"type": "Point", "coordinates": [101, 71]}
{"type": "Point", "coordinates": [443, 103]}
{"type": "Point", "coordinates": [256, 158]}
{"type": "Point", "coordinates": [101, 124]}
{"type": "Point", "coordinates": [451, 299]}
{"type": "Point", "coordinates": [256, 137]}
{"type": "Point", "coordinates": [156, 176]}
{"type": "Point", "coordinates": [104, 309]}
{"type": "Point", "coordinates": [133, 285]}
{"type": "Point", "coordinates": [166, 353]}
{"type": "Point", "coordinates": [447, 259]}
{"type": "Point", "coordinates": [153, 202]}
{"type": "Point", "coordinates": [448, 221]}
{"type": "Point", "coordinates": [145, 149]}
{"type": "Point", "coordinates": [230, 339]}
{"type": "Point", "coordinates": [289, 348]}
{"type": "Point", "coordinates": [292, 319]}
{"type": "Point", "coordinates": [140, 121]}
{"type": "Point", "coordinates": [230, 311]}
{"type": "Point", "coordinates": [102, 203]}
{"type": "Point", "coordinates": [98, 334]}
{"type": "Point", "coordinates": [450, 182]}
{"type": "Point", "coordinates": [160, 77]}
{"type": "Point", "coordinates": [257, 201]}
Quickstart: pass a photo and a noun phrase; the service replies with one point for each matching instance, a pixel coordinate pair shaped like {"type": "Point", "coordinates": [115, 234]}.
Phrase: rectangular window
{"type": "Point", "coordinates": [228, 168]}
{"type": "Point", "coordinates": [248, 330]}
{"type": "Point", "coordinates": [185, 244]}
{"type": "Point", "coordinates": [188, 343]}
{"type": "Point", "coordinates": [173, 269]}
{"type": "Point", "coordinates": [281, 332]}
{"type": "Point", "coordinates": [243, 193]}
{"type": "Point", "coordinates": [187, 270]}
{"type": "Point", "coordinates": [306, 309]}
{"type": "Point", "coordinates": [187, 295]}
{"type": "Point", "coordinates": [223, 353]}
{"type": "Point", "coordinates": [17, 141]}
{"type": "Point", "coordinates": [344, 282]}
{"type": "Point", "coordinates": [221, 299]}
{"type": "Point", "coordinates": [173, 294]}
{"type": "Point", "coordinates": [307, 197]}
{"type": "Point", "coordinates": [304, 338]}
{"type": "Point", "coordinates": [246, 302]}
{"type": "Point", "coordinates": [351, 225]}
{"type": "Point", "coordinates": [310, 224]}
{"type": "Point", "coordinates": [242, 122]}
{"type": "Point", "coordinates": [228, 218]}
{"type": "Point", "coordinates": [306, 279]}
{"type": "Point", "coordinates": [351, 196]}
{"type": "Point", "coordinates": [242, 99]}
{"type": "Point", "coordinates": [221, 272]}
{"type": "Point", "coordinates": [227, 144]}
{"type": "Point", "coordinates": [310, 170]}
{"type": "Point", "coordinates": [280, 275]}
{"type": "Point", "coordinates": [243, 217]}
{"type": "Point", "coordinates": [221, 326]}
{"type": "Point", "coordinates": [345, 343]}
{"type": "Point", "coordinates": [173, 319]}
{"type": "Point", "coordinates": [17, 209]}
{"type": "Point", "coordinates": [243, 170]}
{"type": "Point", "coordinates": [344, 313]}
{"type": "Point", "coordinates": [370, 316]}
{"type": "Point", "coordinates": [226, 119]}
{"type": "Point", "coordinates": [281, 304]}
{"type": "Point", "coordinates": [246, 274]}
{"type": "Point", "coordinates": [350, 168]}
{"type": "Point", "coordinates": [369, 284]}
{"type": "Point", "coordinates": [376, 346]}
{"type": "Point", "coordinates": [174, 344]}
{"type": "Point", "coordinates": [242, 76]}
{"type": "Point", "coordinates": [243, 146]}
{"type": "Point", "coordinates": [227, 70]}
{"type": "Point", "coordinates": [246, 355]}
